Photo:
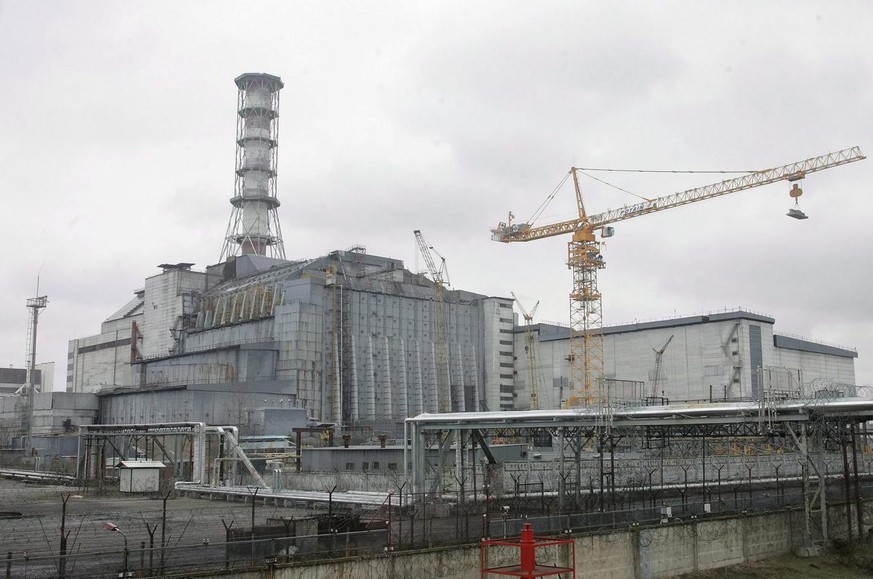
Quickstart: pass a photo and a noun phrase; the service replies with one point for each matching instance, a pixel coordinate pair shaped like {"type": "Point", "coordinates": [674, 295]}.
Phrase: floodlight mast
{"type": "Point", "coordinates": [35, 305]}
{"type": "Point", "coordinates": [585, 258]}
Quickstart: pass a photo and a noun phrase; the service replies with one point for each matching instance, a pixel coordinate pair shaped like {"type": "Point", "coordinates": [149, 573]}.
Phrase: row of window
{"type": "Point", "coordinates": [375, 466]}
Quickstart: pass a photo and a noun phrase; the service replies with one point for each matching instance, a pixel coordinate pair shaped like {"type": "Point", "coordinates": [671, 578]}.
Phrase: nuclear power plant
{"type": "Point", "coordinates": [351, 338]}
{"type": "Point", "coordinates": [361, 342]}
{"type": "Point", "coordinates": [443, 388]}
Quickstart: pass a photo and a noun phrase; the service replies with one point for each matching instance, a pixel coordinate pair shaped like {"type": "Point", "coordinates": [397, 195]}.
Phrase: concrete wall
{"type": "Point", "coordinates": [298, 329]}
{"type": "Point", "coordinates": [101, 361]}
{"type": "Point", "coordinates": [661, 551]}
{"type": "Point", "coordinates": [56, 420]}
{"type": "Point", "coordinates": [707, 355]}
{"type": "Point", "coordinates": [233, 406]}
{"type": "Point", "coordinates": [817, 366]}
{"type": "Point", "coordinates": [168, 297]}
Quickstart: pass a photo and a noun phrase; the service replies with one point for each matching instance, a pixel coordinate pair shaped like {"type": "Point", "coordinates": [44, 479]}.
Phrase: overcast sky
{"type": "Point", "coordinates": [118, 125]}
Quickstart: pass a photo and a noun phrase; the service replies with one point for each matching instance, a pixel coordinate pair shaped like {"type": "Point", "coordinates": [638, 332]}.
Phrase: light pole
{"type": "Point", "coordinates": [110, 526]}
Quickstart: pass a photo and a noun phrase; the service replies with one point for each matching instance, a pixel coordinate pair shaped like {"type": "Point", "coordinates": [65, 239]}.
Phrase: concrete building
{"type": "Point", "coordinates": [94, 362]}
{"type": "Point", "coordinates": [728, 355]}
{"type": "Point", "coordinates": [11, 379]}
{"type": "Point", "coordinates": [389, 459]}
{"type": "Point", "coordinates": [56, 420]}
{"type": "Point", "coordinates": [258, 412]}
{"type": "Point", "coordinates": [349, 336]}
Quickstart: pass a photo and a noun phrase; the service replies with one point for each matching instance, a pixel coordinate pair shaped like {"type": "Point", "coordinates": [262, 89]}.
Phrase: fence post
{"type": "Point", "coordinates": [9, 565]}
{"type": "Point", "coordinates": [389, 521]}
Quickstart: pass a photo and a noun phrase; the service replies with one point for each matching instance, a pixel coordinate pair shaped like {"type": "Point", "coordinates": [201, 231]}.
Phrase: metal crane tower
{"type": "Point", "coordinates": [659, 358]}
{"type": "Point", "coordinates": [530, 347]}
{"type": "Point", "coordinates": [585, 258]}
{"type": "Point", "coordinates": [440, 277]}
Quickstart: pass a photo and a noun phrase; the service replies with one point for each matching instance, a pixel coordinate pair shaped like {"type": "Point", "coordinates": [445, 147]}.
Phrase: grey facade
{"type": "Point", "coordinates": [349, 337]}
{"type": "Point", "coordinates": [11, 379]}
{"type": "Point", "coordinates": [728, 355]}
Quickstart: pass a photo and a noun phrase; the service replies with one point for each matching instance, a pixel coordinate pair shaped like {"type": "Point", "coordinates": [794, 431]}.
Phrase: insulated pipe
{"type": "Point", "coordinates": [240, 454]}
{"type": "Point", "coordinates": [228, 448]}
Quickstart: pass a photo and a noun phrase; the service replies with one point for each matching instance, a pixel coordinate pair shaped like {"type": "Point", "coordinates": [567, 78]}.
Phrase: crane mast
{"type": "Point", "coordinates": [659, 358]}
{"type": "Point", "coordinates": [530, 346]}
{"type": "Point", "coordinates": [439, 275]}
{"type": "Point", "coordinates": [584, 257]}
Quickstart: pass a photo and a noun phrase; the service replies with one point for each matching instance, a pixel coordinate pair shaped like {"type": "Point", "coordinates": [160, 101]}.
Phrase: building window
{"type": "Point", "coordinates": [504, 331]}
{"type": "Point", "coordinates": [712, 371]}
{"type": "Point", "coordinates": [507, 376]}
{"type": "Point", "coordinates": [376, 465]}
{"type": "Point", "coordinates": [506, 320]}
{"type": "Point", "coordinates": [505, 342]}
{"type": "Point", "coordinates": [392, 466]}
{"type": "Point", "coordinates": [350, 466]}
{"type": "Point", "coordinates": [365, 466]}
{"type": "Point", "coordinates": [506, 364]}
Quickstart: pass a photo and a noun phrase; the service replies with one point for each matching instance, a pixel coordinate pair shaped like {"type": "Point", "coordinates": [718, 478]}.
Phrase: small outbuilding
{"type": "Point", "coordinates": [140, 476]}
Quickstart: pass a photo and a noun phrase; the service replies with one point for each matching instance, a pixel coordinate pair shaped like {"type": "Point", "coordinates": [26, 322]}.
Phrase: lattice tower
{"type": "Point", "coordinates": [254, 227]}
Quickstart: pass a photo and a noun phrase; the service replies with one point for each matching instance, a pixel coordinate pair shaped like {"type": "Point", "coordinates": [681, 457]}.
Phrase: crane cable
{"type": "Point", "coordinates": [548, 199]}
{"type": "Point", "coordinates": [539, 211]}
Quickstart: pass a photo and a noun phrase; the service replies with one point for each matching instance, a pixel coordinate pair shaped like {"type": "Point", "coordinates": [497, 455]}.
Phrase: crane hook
{"type": "Point", "coordinates": [795, 211]}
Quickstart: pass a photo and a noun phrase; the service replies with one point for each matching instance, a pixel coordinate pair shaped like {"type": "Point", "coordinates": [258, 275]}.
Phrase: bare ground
{"type": "Point", "coordinates": [839, 561]}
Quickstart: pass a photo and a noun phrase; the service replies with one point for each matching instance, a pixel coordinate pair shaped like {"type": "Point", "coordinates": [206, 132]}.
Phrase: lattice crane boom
{"type": "Point", "coordinates": [659, 359]}
{"type": "Point", "coordinates": [441, 346]}
{"type": "Point", "coordinates": [791, 172]}
{"type": "Point", "coordinates": [530, 346]}
{"type": "Point", "coordinates": [584, 257]}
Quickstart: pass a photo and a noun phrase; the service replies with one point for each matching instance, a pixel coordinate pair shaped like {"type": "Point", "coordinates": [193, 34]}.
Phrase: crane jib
{"type": "Point", "coordinates": [512, 232]}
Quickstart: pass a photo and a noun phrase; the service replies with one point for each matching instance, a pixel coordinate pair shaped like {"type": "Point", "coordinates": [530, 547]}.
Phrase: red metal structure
{"type": "Point", "coordinates": [528, 567]}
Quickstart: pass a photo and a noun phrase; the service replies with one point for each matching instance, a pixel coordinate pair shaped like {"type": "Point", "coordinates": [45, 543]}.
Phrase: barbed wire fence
{"type": "Point", "coordinates": [72, 532]}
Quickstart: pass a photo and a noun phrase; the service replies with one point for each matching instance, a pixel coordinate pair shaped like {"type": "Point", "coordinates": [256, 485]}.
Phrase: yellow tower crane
{"type": "Point", "coordinates": [530, 346]}
{"type": "Point", "coordinates": [585, 258]}
{"type": "Point", "coordinates": [440, 277]}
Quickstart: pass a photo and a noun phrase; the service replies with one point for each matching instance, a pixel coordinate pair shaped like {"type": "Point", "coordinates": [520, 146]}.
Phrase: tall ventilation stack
{"type": "Point", "coordinates": [254, 222]}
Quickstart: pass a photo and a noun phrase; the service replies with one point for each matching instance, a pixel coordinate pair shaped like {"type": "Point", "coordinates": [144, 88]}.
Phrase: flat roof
{"type": "Point", "coordinates": [553, 332]}
{"type": "Point", "coordinates": [140, 464]}
{"type": "Point", "coordinates": [790, 343]}
{"type": "Point", "coordinates": [685, 413]}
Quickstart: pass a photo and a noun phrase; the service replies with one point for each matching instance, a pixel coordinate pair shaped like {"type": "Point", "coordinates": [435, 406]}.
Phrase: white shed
{"type": "Point", "coordinates": [140, 476]}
